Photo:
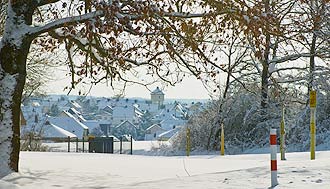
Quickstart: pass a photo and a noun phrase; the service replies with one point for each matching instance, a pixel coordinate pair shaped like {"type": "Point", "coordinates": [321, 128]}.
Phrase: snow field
{"type": "Point", "coordinates": [77, 170]}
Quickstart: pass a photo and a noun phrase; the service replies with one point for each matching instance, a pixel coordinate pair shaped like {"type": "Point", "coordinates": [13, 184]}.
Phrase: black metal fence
{"type": "Point", "coordinates": [124, 145]}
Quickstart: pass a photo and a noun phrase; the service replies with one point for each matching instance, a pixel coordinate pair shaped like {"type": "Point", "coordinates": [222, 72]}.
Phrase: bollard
{"type": "Point", "coordinates": [222, 140]}
{"type": "Point", "coordinates": [273, 161]}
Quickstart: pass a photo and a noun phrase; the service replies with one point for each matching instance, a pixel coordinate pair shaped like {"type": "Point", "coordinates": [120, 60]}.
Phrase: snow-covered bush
{"type": "Point", "coordinates": [247, 126]}
{"type": "Point", "coordinates": [32, 142]}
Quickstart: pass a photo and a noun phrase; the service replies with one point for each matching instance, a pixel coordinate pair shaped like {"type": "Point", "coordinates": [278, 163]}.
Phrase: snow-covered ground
{"type": "Point", "coordinates": [97, 171]}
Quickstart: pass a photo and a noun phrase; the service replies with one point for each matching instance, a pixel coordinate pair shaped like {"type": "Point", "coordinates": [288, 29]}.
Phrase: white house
{"type": "Point", "coordinates": [153, 131]}
{"type": "Point", "coordinates": [167, 135]}
{"type": "Point", "coordinates": [123, 113]}
{"type": "Point", "coordinates": [126, 128]}
{"type": "Point", "coordinates": [71, 124]}
{"type": "Point", "coordinates": [52, 131]}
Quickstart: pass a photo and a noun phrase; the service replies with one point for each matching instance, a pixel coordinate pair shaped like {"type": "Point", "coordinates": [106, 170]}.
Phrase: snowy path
{"type": "Point", "coordinates": [97, 171]}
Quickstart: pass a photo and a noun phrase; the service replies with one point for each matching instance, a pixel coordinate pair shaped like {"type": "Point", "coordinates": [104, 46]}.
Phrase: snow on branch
{"type": "Point", "coordinates": [289, 58]}
{"type": "Point", "coordinates": [44, 2]}
{"type": "Point", "coordinates": [66, 21]}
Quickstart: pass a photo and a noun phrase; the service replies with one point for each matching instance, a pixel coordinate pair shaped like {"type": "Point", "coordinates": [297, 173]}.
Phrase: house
{"type": "Point", "coordinates": [167, 135]}
{"type": "Point", "coordinates": [32, 117]}
{"type": "Point", "coordinates": [108, 109]}
{"type": "Point", "coordinates": [153, 131]}
{"type": "Point", "coordinates": [123, 113]}
{"type": "Point", "coordinates": [98, 127]}
{"type": "Point", "coordinates": [73, 112]}
{"type": "Point", "coordinates": [71, 124]}
{"type": "Point", "coordinates": [52, 131]}
{"type": "Point", "coordinates": [126, 128]}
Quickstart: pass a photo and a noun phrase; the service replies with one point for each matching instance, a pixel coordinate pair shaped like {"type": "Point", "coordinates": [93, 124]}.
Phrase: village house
{"type": "Point", "coordinates": [152, 132]}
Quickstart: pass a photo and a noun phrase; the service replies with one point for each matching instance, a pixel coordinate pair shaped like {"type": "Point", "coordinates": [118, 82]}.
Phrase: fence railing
{"type": "Point", "coordinates": [92, 144]}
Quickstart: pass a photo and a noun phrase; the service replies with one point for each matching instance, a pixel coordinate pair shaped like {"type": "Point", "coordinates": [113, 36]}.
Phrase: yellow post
{"type": "Point", "coordinates": [222, 140]}
{"type": "Point", "coordinates": [312, 132]}
{"type": "Point", "coordinates": [312, 104]}
{"type": "Point", "coordinates": [282, 136]}
{"type": "Point", "coordinates": [188, 142]}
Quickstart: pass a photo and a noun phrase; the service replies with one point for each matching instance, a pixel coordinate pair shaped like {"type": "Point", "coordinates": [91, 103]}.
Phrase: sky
{"type": "Point", "coordinates": [189, 88]}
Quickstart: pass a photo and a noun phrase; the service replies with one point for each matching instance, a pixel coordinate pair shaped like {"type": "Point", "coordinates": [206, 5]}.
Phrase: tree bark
{"type": "Point", "coordinates": [14, 48]}
{"type": "Point", "coordinates": [265, 63]}
{"type": "Point", "coordinates": [312, 63]}
{"type": "Point", "coordinates": [12, 80]}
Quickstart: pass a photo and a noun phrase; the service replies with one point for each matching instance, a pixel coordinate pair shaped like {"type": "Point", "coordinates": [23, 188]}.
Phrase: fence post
{"type": "Point", "coordinates": [222, 140]}
{"type": "Point", "coordinates": [131, 145]}
{"type": "Point", "coordinates": [77, 140]}
{"type": "Point", "coordinates": [121, 145]}
{"type": "Point", "coordinates": [273, 158]}
{"type": "Point", "coordinates": [312, 105]}
{"type": "Point", "coordinates": [83, 144]}
{"type": "Point", "coordinates": [68, 143]}
{"type": "Point", "coordinates": [188, 142]}
{"type": "Point", "coordinates": [282, 136]}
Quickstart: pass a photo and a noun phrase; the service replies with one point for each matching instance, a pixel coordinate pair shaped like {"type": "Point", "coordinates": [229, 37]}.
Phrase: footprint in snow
{"type": "Point", "coordinates": [319, 181]}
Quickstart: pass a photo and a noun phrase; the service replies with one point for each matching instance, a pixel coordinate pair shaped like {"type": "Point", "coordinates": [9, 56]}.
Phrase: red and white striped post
{"type": "Point", "coordinates": [273, 154]}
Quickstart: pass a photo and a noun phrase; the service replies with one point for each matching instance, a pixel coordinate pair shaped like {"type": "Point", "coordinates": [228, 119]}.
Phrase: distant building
{"type": "Point", "coordinates": [157, 96]}
{"type": "Point", "coordinates": [153, 131]}
{"type": "Point", "coordinates": [126, 128]}
{"type": "Point", "coordinates": [167, 135]}
{"type": "Point", "coordinates": [69, 123]}
{"type": "Point", "coordinates": [53, 131]}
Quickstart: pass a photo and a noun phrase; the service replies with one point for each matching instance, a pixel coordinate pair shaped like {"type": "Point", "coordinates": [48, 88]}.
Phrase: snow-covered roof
{"type": "Point", "coordinates": [53, 131]}
{"type": "Point", "coordinates": [70, 124]}
{"type": "Point", "coordinates": [155, 126]}
{"type": "Point", "coordinates": [125, 122]}
{"type": "Point", "coordinates": [77, 114]}
{"type": "Point", "coordinates": [123, 111]}
{"type": "Point", "coordinates": [157, 91]}
{"type": "Point", "coordinates": [108, 109]}
{"type": "Point", "coordinates": [168, 134]}
{"type": "Point", "coordinates": [91, 124]}
{"type": "Point", "coordinates": [170, 121]}
{"type": "Point", "coordinates": [75, 104]}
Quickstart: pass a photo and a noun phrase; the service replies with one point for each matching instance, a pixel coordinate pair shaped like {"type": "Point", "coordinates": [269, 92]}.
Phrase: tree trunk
{"type": "Point", "coordinates": [312, 63]}
{"type": "Point", "coordinates": [265, 63]}
{"type": "Point", "coordinates": [14, 48]}
{"type": "Point", "coordinates": [12, 80]}
{"type": "Point", "coordinates": [264, 84]}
